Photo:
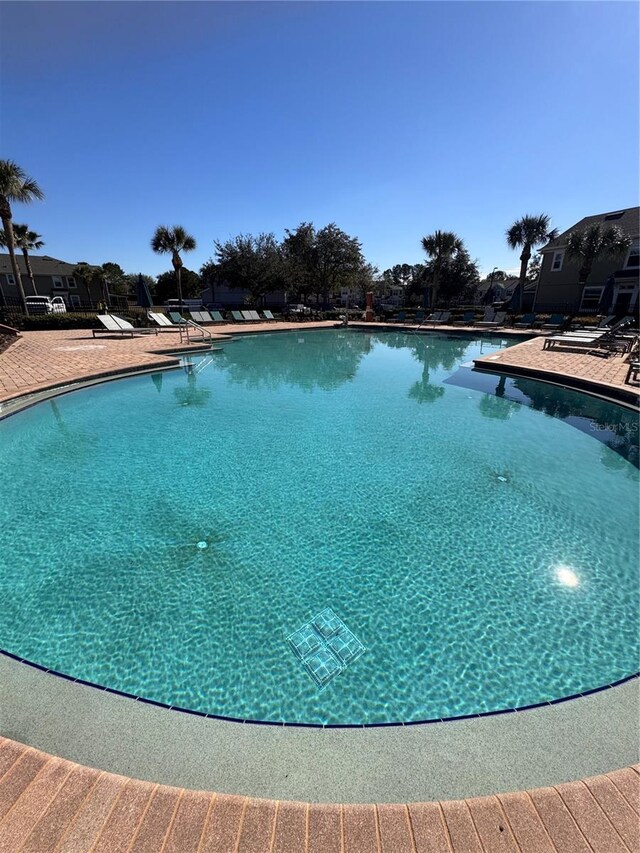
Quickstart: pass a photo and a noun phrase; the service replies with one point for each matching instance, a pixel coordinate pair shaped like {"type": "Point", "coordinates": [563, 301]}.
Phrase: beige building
{"type": "Point", "coordinates": [52, 278]}
{"type": "Point", "coordinates": [559, 289]}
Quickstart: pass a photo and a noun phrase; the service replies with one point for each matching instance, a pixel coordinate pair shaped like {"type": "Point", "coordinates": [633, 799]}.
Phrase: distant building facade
{"type": "Point", "coordinates": [52, 277]}
{"type": "Point", "coordinates": [558, 288]}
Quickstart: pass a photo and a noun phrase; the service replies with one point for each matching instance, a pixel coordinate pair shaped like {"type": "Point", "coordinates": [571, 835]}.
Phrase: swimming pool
{"type": "Point", "coordinates": [171, 535]}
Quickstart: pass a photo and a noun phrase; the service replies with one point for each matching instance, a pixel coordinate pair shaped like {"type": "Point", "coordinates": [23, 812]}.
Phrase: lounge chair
{"type": "Point", "coordinates": [206, 317]}
{"type": "Point", "coordinates": [632, 373]}
{"type": "Point", "coordinates": [200, 316]}
{"type": "Point", "coordinates": [255, 316]}
{"type": "Point", "coordinates": [176, 318]}
{"type": "Point", "coordinates": [433, 317]}
{"type": "Point", "coordinates": [445, 317]}
{"type": "Point", "coordinates": [606, 323]}
{"type": "Point", "coordinates": [419, 317]}
{"type": "Point", "coordinates": [118, 326]}
{"type": "Point", "coordinates": [237, 316]}
{"type": "Point", "coordinates": [556, 321]}
{"type": "Point", "coordinates": [400, 317]}
{"type": "Point", "coordinates": [498, 320]}
{"type": "Point", "coordinates": [489, 314]}
{"type": "Point", "coordinates": [246, 316]}
{"type": "Point", "coordinates": [467, 319]}
{"type": "Point", "coordinates": [268, 316]}
{"type": "Point", "coordinates": [571, 340]}
{"type": "Point", "coordinates": [526, 323]}
{"type": "Point", "coordinates": [217, 317]}
{"type": "Point", "coordinates": [161, 320]}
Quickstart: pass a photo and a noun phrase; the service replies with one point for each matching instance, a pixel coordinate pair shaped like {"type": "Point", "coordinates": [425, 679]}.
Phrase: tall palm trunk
{"type": "Point", "coordinates": [525, 257]}
{"type": "Point", "coordinates": [29, 271]}
{"type": "Point", "coordinates": [5, 215]}
{"type": "Point", "coordinates": [177, 266]}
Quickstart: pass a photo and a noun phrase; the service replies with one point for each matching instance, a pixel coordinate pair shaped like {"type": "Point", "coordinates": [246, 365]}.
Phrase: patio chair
{"type": "Point", "coordinates": [200, 316]}
{"type": "Point", "coordinates": [571, 340]}
{"type": "Point", "coordinates": [126, 326]}
{"type": "Point", "coordinates": [467, 319]}
{"type": "Point", "coordinates": [556, 321]}
{"type": "Point", "coordinates": [255, 316]}
{"type": "Point", "coordinates": [217, 317]}
{"type": "Point", "coordinates": [111, 327]}
{"type": "Point", "coordinates": [161, 320]}
{"type": "Point", "coordinates": [632, 373]}
{"type": "Point", "coordinates": [237, 316]}
{"type": "Point", "coordinates": [176, 318]}
{"type": "Point", "coordinates": [400, 317]}
{"type": "Point", "coordinates": [526, 323]}
{"type": "Point", "coordinates": [489, 314]}
{"type": "Point", "coordinates": [419, 317]}
{"type": "Point", "coordinates": [268, 316]}
{"type": "Point", "coordinates": [445, 317]}
{"type": "Point", "coordinates": [498, 320]}
{"type": "Point", "coordinates": [434, 317]}
{"type": "Point", "coordinates": [246, 316]}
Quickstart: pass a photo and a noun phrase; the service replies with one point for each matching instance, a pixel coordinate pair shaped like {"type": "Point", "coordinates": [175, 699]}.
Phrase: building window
{"type": "Point", "coordinates": [591, 298]}
{"type": "Point", "coordinates": [74, 300]}
{"type": "Point", "coordinates": [57, 282]}
{"type": "Point", "coordinates": [71, 282]}
{"type": "Point", "coordinates": [556, 263]}
{"type": "Point", "coordinates": [633, 261]}
{"type": "Point", "coordinates": [11, 280]}
{"type": "Point", "coordinates": [617, 214]}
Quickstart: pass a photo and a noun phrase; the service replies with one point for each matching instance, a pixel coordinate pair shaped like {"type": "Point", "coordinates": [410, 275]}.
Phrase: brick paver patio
{"type": "Point", "coordinates": [51, 804]}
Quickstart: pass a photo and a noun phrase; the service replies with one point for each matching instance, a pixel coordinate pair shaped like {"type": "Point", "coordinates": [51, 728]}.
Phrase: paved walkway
{"type": "Point", "coordinates": [530, 357]}
{"type": "Point", "coordinates": [50, 804]}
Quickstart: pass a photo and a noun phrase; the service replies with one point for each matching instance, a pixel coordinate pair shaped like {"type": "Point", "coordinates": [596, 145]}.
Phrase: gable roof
{"type": "Point", "coordinates": [627, 219]}
{"type": "Point", "coordinates": [40, 264]}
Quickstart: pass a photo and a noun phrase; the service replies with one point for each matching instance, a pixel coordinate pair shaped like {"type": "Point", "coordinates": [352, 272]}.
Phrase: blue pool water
{"type": "Point", "coordinates": [168, 535]}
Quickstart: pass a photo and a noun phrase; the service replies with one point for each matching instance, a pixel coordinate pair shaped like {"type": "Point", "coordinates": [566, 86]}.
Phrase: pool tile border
{"type": "Point", "coordinates": [285, 724]}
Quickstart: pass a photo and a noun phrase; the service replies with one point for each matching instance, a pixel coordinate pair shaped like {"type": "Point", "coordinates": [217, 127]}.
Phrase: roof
{"type": "Point", "coordinates": [40, 264]}
{"type": "Point", "coordinates": [627, 219]}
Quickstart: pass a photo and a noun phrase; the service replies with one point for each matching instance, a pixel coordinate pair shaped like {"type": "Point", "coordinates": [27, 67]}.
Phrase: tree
{"type": "Point", "coordinates": [15, 186]}
{"type": "Point", "coordinates": [339, 260]}
{"type": "Point", "coordinates": [527, 233]}
{"type": "Point", "coordinates": [93, 276]}
{"type": "Point", "coordinates": [300, 259]}
{"type": "Point", "coordinates": [27, 241]}
{"type": "Point", "coordinates": [165, 284]}
{"type": "Point", "coordinates": [172, 241]}
{"type": "Point", "coordinates": [534, 267]}
{"type": "Point", "coordinates": [594, 243]}
{"type": "Point", "coordinates": [249, 263]}
{"type": "Point", "coordinates": [441, 247]}
{"type": "Point", "coordinates": [458, 277]}
{"type": "Point", "coordinates": [116, 280]}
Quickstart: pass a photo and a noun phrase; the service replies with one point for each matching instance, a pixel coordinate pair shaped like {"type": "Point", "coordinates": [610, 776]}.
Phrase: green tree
{"type": "Point", "coordinates": [27, 241]}
{"type": "Point", "coordinates": [172, 241]}
{"type": "Point", "coordinates": [116, 279]}
{"type": "Point", "coordinates": [441, 247]}
{"type": "Point", "coordinates": [300, 260]}
{"type": "Point", "coordinates": [94, 277]}
{"type": "Point", "coordinates": [249, 263]}
{"type": "Point", "coordinates": [165, 284]}
{"type": "Point", "coordinates": [594, 243]}
{"type": "Point", "coordinates": [339, 260]}
{"type": "Point", "coordinates": [527, 233]}
{"type": "Point", "coordinates": [458, 276]}
{"type": "Point", "coordinates": [15, 186]}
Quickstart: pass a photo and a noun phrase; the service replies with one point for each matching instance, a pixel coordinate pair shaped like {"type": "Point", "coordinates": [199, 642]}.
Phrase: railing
{"type": "Point", "coordinates": [190, 324]}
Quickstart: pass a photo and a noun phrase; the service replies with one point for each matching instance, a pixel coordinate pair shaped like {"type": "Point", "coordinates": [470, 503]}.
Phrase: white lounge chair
{"type": "Point", "coordinates": [498, 320]}
{"type": "Point", "coordinates": [114, 325]}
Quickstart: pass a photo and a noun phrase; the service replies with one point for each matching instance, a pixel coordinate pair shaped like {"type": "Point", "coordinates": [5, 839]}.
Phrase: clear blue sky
{"type": "Point", "coordinates": [391, 119]}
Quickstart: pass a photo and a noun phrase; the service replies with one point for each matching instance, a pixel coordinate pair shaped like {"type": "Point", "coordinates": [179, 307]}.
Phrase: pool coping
{"type": "Point", "coordinates": [26, 399]}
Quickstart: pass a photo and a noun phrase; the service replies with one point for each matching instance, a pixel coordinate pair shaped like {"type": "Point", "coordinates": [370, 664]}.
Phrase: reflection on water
{"type": "Point", "coordinates": [616, 427]}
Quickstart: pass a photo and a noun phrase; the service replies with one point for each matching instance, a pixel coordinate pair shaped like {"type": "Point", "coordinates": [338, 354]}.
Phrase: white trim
{"type": "Point", "coordinates": [58, 284]}
{"type": "Point", "coordinates": [71, 282]}
{"type": "Point", "coordinates": [557, 253]}
{"type": "Point", "coordinates": [10, 279]}
{"type": "Point", "coordinates": [591, 288]}
{"type": "Point", "coordinates": [74, 300]}
{"type": "Point", "coordinates": [634, 246]}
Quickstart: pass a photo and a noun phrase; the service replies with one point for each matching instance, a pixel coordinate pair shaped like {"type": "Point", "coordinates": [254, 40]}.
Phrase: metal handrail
{"type": "Point", "coordinates": [184, 329]}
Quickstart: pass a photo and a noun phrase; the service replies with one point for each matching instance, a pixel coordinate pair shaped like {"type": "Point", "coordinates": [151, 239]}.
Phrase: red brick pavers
{"type": "Point", "coordinates": [530, 357]}
{"type": "Point", "coordinates": [49, 804]}
{"type": "Point", "coordinates": [40, 360]}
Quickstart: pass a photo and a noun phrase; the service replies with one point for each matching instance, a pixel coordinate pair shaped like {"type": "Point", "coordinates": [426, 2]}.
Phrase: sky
{"type": "Point", "coordinates": [391, 119]}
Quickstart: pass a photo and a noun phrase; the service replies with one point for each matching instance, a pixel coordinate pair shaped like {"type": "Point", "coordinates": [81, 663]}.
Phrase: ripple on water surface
{"type": "Point", "coordinates": [164, 535]}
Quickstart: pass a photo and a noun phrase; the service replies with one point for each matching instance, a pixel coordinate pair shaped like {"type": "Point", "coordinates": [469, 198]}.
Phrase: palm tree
{"type": "Point", "coordinates": [441, 246]}
{"type": "Point", "coordinates": [28, 241]}
{"type": "Point", "coordinates": [527, 233]}
{"type": "Point", "coordinates": [593, 243]}
{"type": "Point", "coordinates": [15, 185]}
{"type": "Point", "coordinates": [173, 241]}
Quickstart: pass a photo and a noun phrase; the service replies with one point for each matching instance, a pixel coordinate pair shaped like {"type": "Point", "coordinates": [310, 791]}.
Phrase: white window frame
{"type": "Point", "coordinates": [634, 249]}
{"type": "Point", "coordinates": [58, 284]}
{"type": "Point", "coordinates": [591, 289]}
{"type": "Point", "coordinates": [71, 282]}
{"type": "Point", "coordinates": [10, 279]}
{"type": "Point", "coordinates": [74, 300]}
{"type": "Point", "coordinates": [559, 254]}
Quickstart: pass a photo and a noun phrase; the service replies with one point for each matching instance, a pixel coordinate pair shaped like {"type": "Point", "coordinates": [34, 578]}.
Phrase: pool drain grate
{"type": "Point", "coordinates": [325, 646]}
